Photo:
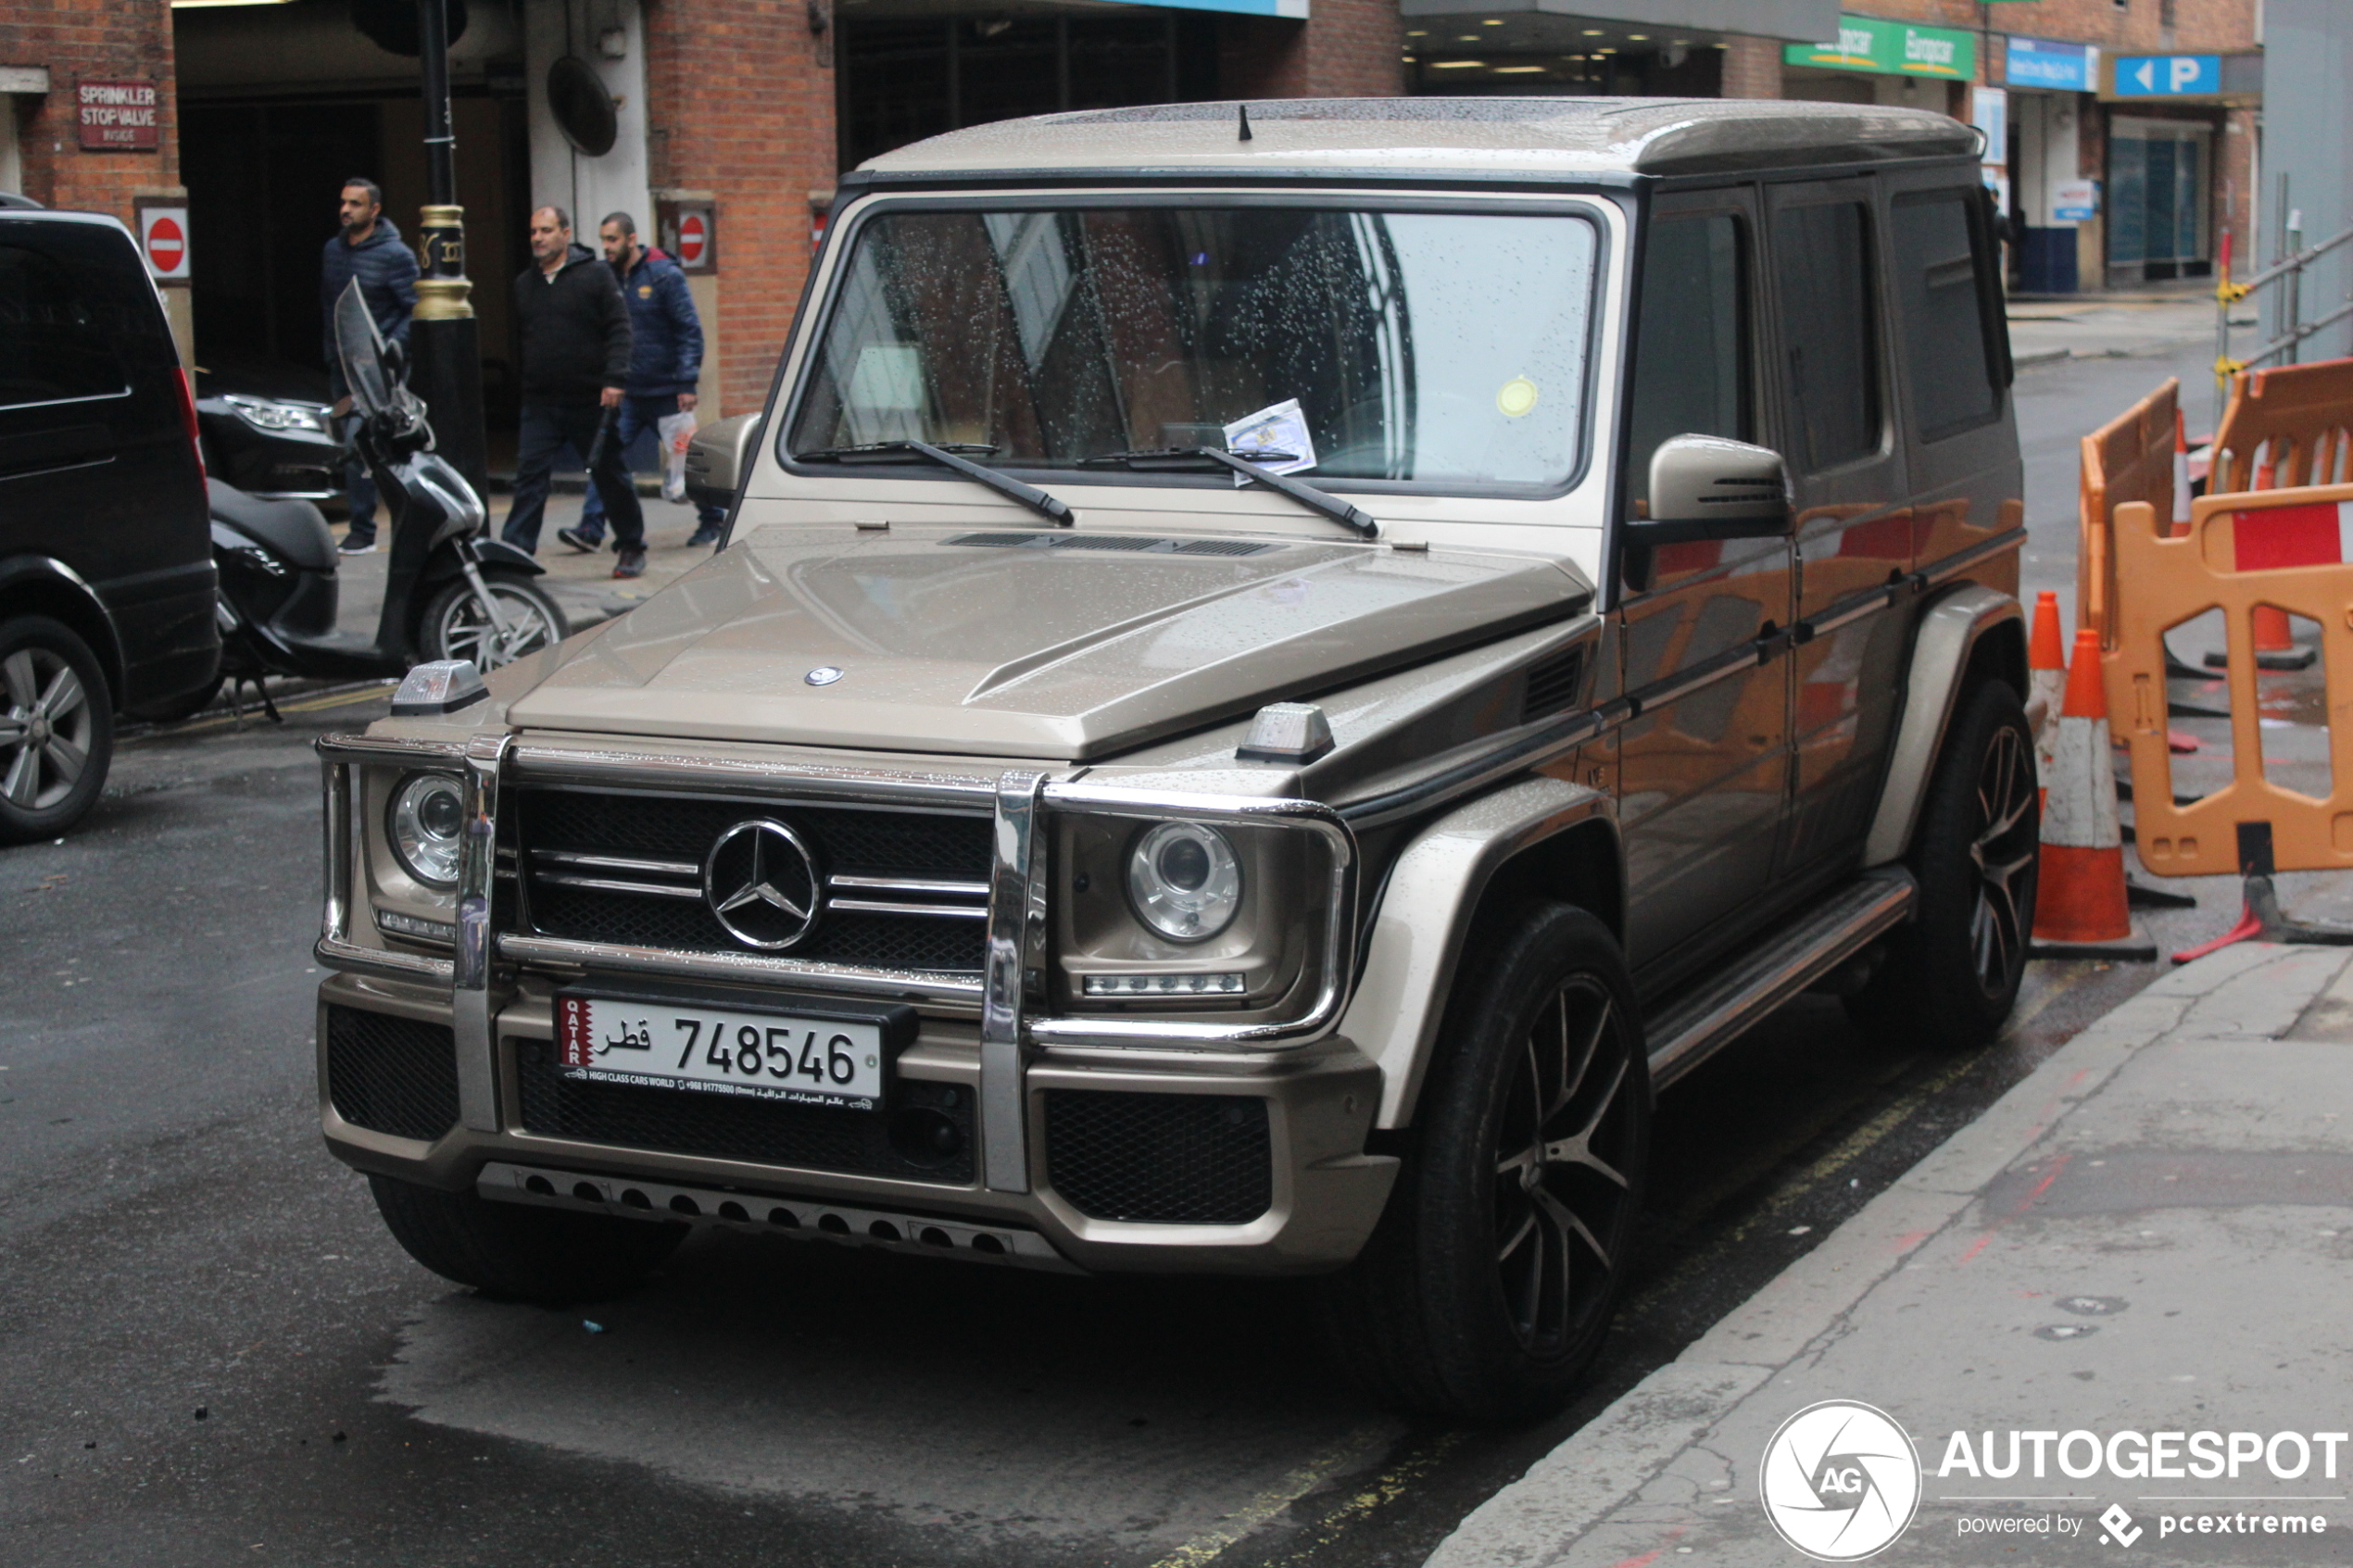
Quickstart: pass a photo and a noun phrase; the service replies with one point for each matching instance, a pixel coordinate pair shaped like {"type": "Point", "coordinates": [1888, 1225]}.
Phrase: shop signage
{"type": "Point", "coordinates": [2168, 76]}
{"type": "Point", "coordinates": [1891, 49]}
{"type": "Point", "coordinates": [2075, 201]}
{"type": "Point", "coordinates": [2055, 67]}
{"type": "Point", "coordinates": [118, 116]}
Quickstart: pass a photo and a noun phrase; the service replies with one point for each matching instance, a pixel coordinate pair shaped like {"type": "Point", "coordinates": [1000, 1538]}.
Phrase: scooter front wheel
{"type": "Point", "coordinates": [456, 627]}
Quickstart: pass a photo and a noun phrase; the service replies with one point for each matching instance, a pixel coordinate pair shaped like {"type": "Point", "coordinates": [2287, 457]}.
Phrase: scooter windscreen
{"type": "Point", "coordinates": [373, 390]}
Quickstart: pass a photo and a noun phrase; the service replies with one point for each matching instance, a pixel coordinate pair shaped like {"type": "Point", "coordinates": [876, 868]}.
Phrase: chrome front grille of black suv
{"type": "Point", "coordinates": [902, 889]}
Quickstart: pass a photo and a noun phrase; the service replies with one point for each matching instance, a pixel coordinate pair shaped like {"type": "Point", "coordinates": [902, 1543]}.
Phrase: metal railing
{"type": "Point", "coordinates": [2287, 275]}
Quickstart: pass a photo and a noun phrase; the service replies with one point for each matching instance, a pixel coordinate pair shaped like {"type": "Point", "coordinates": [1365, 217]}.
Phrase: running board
{"type": "Point", "coordinates": [1713, 1014]}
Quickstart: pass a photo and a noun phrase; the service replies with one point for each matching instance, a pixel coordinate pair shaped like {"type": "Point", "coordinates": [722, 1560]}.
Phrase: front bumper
{"type": "Point", "coordinates": [1323, 1192]}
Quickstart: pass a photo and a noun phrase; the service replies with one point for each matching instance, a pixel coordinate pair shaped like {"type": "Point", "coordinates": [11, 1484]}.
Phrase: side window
{"type": "Point", "coordinates": [55, 341]}
{"type": "Point", "coordinates": [1942, 314]}
{"type": "Point", "coordinates": [1822, 263]}
{"type": "Point", "coordinates": [1690, 368]}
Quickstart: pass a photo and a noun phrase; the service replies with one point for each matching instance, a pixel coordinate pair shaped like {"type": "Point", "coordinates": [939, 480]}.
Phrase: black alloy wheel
{"type": "Point", "coordinates": [1949, 979]}
{"type": "Point", "coordinates": [1564, 1131]}
{"type": "Point", "coordinates": [1487, 1291]}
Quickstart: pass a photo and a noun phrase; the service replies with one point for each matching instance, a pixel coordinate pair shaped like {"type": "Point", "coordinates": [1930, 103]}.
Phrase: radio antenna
{"type": "Point", "coordinates": [1243, 110]}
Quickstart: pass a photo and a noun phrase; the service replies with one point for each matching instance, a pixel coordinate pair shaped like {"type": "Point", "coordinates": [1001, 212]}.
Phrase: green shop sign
{"type": "Point", "coordinates": [1891, 48]}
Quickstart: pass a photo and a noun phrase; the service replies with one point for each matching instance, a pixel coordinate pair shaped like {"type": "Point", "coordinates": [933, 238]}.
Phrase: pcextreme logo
{"type": "Point", "coordinates": [1840, 1481]}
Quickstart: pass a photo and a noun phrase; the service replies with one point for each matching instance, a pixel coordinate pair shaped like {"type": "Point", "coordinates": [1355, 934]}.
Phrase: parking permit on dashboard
{"type": "Point", "coordinates": [1278, 427]}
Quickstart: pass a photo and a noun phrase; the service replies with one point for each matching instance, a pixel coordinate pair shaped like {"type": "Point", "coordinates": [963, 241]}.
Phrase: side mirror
{"type": "Point", "coordinates": [717, 457]}
{"type": "Point", "coordinates": [1709, 487]}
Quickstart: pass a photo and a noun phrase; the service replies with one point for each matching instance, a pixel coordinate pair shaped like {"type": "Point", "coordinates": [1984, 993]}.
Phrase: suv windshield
{"type": "Point", "coordinates": [1442, 348]}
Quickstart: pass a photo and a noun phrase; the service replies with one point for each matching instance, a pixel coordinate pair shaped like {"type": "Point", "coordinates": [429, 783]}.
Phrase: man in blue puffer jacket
{"type": "Point", "coordinates": [367, 247]}
{"type": "Point", "coordinates": [665, 360]}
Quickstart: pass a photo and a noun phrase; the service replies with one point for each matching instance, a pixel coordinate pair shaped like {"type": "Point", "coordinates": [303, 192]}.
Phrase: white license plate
{"type": "Point", "coordinates": [686, 1046]}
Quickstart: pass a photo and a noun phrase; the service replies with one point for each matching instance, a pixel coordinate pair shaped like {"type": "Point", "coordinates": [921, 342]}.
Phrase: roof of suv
{"type": "Point", "coordinates": [1483, 136]}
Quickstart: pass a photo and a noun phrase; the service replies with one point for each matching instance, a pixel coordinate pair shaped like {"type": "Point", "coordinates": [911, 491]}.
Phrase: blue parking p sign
{"type": "Point", "coordinates": [2168, 76]}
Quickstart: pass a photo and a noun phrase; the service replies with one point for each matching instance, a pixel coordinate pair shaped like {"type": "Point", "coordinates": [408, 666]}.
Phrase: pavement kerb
{"type": "Point", "coordinates": [2246, 992]}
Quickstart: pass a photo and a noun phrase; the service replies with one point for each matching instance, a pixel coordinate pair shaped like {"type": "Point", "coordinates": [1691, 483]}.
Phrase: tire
{"type": "Point", "coordinates": [1950, 978]}
{"type": "Point", "coordinates": [56, 728]}
{"type": "Point", "coordinates": [517, 1253]}
{"type": "Point", "coordinates": [1486, 1290]}
{"type": "Point", "coordinates": [452, 626]}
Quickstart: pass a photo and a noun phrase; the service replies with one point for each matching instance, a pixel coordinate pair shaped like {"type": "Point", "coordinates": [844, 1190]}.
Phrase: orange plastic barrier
{"type": "Point", "coordinates": [2214, 565]}
{"type": "Point", "coordinates": [2286, 427]}
{"type": "Point", "coordinates": [2128, 459]}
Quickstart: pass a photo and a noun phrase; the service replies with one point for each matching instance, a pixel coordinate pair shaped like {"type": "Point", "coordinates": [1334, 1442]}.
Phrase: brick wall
{"type": "Point", "coordinates": [1351, 49]}
{"type": "Point", "coordinates": [1752, 67]}
{"type": "Point", "coordinates": [741, 96]}
{"type": "Point", "coordinates": [111, 40]}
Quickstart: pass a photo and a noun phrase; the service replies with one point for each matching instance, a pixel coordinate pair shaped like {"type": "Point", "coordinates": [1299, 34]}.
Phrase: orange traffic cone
{"type": "Point", "coordinates": [2081, 909]}
{"type": "Point", "coordinates": [2045, 686]}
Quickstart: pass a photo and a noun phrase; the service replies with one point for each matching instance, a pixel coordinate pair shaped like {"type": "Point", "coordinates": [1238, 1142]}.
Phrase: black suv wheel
{"type": "Point", "coordinates": [56, 728]}
{"type": "Point", "coordinates": [1486, 1290]}
{"type": "Point", "coordinates": [1950, 978]}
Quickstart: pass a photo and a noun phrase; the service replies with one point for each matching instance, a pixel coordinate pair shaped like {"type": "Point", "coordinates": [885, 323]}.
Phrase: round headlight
{"type": "Point", "coordinates": [428, 822]}
{"type": "Point", "coordinates": [1184, 881]}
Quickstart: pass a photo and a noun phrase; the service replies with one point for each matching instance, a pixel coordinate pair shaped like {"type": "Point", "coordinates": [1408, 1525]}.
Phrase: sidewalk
{"type": "Point", "coordinates": [2110, 326]}
{"type": "Point", "coordinates": [2152, 1233]}
{"type": "Point", "coordinates": [583, 586]}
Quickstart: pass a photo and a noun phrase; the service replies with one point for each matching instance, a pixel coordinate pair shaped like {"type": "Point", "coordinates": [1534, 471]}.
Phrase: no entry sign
{"type": "Point", "coordinates": [688, 224]}
{"type": "Point", "coordinates": [163, 236]}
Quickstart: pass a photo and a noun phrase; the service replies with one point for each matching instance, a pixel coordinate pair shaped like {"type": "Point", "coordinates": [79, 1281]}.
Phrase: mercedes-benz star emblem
{"type": "Point", "coordinates": [823, 675]}
{"type": "Point", "coordinates": [761, 883]}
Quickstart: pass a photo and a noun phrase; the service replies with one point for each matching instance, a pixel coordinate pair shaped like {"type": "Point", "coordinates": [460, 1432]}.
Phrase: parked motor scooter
{"type": "Point", "coordinates": [449, 593]}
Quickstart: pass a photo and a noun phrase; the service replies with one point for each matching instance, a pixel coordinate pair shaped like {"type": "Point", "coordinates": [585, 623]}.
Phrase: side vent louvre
{"type": "Point", "coordinates": [1554, 686]}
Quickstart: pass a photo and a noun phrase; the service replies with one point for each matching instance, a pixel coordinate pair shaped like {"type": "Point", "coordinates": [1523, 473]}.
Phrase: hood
{"type": "Point", "coordinates": [1025, 643]}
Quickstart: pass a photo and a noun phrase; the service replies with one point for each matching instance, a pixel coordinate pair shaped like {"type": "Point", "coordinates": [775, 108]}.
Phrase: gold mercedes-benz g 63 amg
{"type": "Point", "coordinates": [1278, 669]}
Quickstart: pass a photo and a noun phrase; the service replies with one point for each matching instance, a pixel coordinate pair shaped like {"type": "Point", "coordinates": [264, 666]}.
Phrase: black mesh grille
{"type": "Point", "coordinates": [1198, 1159]}
{"type": "Point", "coordinates": [926, 1134]}
{"type": "Point", "coordinates": [1553, 684]}
{"type": "Point", "coordinates": [391, 1075]}
{"type": "Point", "coordinates": [846, 841]}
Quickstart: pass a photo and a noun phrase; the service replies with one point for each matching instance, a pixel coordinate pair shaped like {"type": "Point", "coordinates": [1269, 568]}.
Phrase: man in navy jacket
{"type": "Point", "coordinates": [665, 361]}
{"type": "Point", "coordinates": [367, 247]}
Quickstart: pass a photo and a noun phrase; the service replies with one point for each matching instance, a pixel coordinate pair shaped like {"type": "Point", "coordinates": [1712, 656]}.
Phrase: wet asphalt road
{"type": "Point", "coordinates": [210, 1352]}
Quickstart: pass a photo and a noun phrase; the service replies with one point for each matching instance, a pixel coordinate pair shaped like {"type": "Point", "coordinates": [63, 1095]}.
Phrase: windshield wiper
{"type": "Point", "coordinates": [946, 456]}
{"type": "Point", "coordinates": [1306, 496]}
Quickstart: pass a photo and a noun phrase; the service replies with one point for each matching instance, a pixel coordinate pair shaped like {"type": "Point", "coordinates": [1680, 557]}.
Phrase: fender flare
{"type": "Point", "coordinates": [82, 609]}
{"type": "Point", "coordinates": [1950, 631]}
{"type": "Point", "coordinates": [1432, 892]}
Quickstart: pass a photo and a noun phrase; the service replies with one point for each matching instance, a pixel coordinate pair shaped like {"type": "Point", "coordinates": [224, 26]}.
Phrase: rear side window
{"type": "Point", "coordinates": [1691, 370]}
{"type": "Point", "coordinates": [1823, 265]}
{"type": "Point", "coordinates": [1942, 314]}
{"type": "Point", "coordinates": [56, 337]}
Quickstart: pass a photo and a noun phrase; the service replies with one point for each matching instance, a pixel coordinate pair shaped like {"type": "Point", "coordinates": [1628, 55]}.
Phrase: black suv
{"type": "Point", "coordinates": [106, 558]}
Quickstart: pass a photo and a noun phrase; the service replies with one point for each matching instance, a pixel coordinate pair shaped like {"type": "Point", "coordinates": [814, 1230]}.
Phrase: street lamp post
{"type": "Point", "coordinates": [443, 340]}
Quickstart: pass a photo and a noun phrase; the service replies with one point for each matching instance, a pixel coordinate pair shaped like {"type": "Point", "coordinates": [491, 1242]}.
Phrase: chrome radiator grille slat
{"type": "Point", "coordinates": [905, 889]}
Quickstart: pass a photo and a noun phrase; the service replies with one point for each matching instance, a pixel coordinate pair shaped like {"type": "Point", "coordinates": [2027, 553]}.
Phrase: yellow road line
{"type": "Point", "coordinates": [308, 705]}
{"type": "Point", "coordinates": [1386, 1487]}
{"type": "Point", "coordinates": [1205, 1547]}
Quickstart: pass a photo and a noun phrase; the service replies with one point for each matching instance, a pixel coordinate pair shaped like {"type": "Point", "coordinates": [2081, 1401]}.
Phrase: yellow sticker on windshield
{"type": "Point", "coordinates": [1517, 399]}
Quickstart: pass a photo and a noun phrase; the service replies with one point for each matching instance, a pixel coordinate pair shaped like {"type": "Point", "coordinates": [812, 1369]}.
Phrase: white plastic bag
{"type": "Point", "coordinates": [675, 431]}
